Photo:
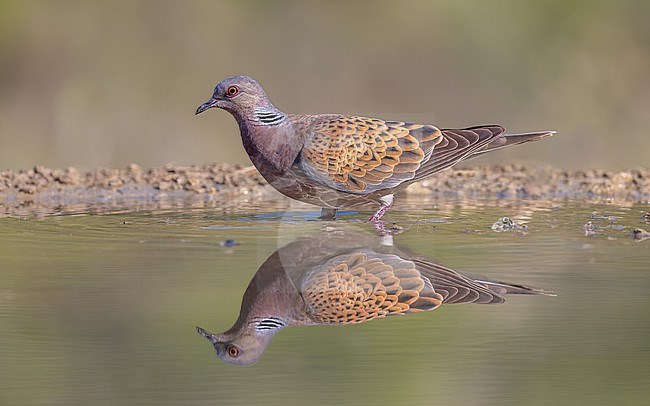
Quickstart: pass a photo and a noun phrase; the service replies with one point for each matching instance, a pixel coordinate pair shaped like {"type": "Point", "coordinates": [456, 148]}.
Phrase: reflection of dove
{"type": "Point", "coordinates": [335, 161]}
{"type": "Point", "coordinates": [343, 279]}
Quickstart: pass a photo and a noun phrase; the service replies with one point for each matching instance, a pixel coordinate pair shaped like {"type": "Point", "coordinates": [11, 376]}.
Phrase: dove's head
{"type": "Point", "coordinates": [239, 95]}
{"type": "Point", "coordinates": [239, 348]}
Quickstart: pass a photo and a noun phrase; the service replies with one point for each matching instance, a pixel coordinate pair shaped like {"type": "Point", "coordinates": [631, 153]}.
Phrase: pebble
{"type": "Point", "coordinates": [18, 188]}
{"type": "Point", "coordinates": [228, 243]}
{"type": "Point", "coordinates": [506, 224]}
{"type": "Point", "coordinates": [640, 234]}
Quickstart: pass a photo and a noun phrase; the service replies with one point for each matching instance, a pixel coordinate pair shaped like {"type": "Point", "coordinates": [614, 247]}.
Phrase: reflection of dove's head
{"type": "Point", "coordinates": [242, 347]}
{"type": "Point", "coordinates": [267, 307]}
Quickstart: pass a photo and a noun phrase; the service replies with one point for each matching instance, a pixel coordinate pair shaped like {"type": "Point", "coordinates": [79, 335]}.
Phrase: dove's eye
{"type": "Point", "coordinates": [232, 91]}
{"type": "Point", "coordinates": [233, 351]}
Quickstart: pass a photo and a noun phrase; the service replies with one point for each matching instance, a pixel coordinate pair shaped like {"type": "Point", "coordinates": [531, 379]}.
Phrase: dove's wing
{"type": "Point", "coordinates": [361, 155]}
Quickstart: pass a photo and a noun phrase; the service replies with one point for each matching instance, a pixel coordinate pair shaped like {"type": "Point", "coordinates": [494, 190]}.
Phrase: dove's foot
{"type": "Point", "coordinates": [327, 214]}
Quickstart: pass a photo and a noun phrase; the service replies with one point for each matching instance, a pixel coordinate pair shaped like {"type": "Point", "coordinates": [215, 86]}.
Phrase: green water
{"type": "Point", "coordinates": [102, 309]}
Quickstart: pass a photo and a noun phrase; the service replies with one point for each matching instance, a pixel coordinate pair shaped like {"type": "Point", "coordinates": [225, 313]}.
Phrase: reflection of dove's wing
{"type": "Point", "coordinates": [306, 254]}
{"type": "Point", "coordinates": [364, 285]}
{"type": "Point", "coordinates": [457, 288]}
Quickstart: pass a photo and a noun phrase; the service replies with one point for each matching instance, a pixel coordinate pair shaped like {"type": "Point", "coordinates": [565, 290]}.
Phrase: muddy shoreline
{"type": "Point", "coordinates": [44, 191]}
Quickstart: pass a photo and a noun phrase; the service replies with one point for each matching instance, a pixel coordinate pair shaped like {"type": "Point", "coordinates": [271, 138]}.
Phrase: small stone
{"type": "Point", "coordinates": [228, 243]}
{"type": "Point", "coordinates": [134, 168]}
{"type": "Point", "coordinates": [589, 228]}
{"type": "Point", "coordinates": [506, 224]}
{"type": "Point", "coordinates": [640, 234]}
{"type": "Point", "coordinates": [115, 183]}
{"type": "Point", "coordinates": [165, 186]}
{"type": "Point", "coordinates": [395, 229]}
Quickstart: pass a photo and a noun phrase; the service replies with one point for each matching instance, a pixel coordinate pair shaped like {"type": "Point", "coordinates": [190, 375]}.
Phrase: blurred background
{"type": "Point", "coordinates": [92, 84]}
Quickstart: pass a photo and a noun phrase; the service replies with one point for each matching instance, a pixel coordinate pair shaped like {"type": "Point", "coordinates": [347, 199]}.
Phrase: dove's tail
{"type": "Point", "coordinates": [507, 140]}
{"type": "Point", "coordinates": [506, 288]}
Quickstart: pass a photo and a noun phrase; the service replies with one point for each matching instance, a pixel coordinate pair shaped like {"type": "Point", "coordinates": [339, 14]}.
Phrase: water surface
{"type": "Point", "coordinates": [102, 309]}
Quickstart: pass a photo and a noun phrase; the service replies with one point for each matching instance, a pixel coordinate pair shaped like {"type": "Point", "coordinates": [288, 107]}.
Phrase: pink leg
{"type": "Point", "coordinates": [386, 203]}
{"type": "Point", "coordinates": [380, 213]}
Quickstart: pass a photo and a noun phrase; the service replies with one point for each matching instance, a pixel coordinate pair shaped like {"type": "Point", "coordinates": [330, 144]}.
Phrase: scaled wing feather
{"type": "Point", "coordinates": [361, 155]}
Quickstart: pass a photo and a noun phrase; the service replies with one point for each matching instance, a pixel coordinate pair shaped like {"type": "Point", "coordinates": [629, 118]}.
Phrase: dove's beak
{"type": "Point", "coordinates": [199, 330]}
{"type": "Point", "coordinates": [207, 105]}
